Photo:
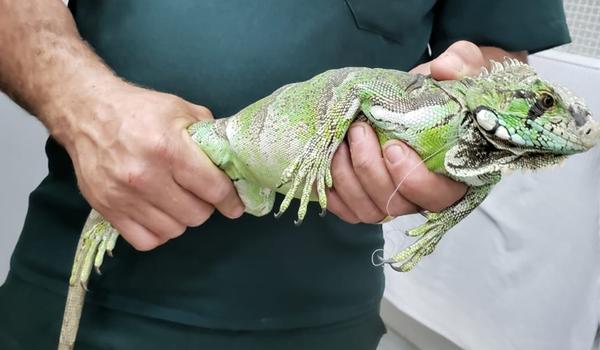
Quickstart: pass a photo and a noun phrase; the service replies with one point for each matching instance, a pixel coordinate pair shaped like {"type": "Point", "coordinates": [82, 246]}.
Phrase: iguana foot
{"type": "Point", "coordinates": [432, 231]}
{"type": "Point", "coordinates": [310, 169]}
{"type": "Point", "coordinates": [430, 234]}
{"type": "Point", "coordinates": [98, 240]}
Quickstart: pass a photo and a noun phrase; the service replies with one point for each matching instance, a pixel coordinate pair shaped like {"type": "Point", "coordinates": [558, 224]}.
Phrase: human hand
{"type": "Point", "coordinates": [365, 178]}
{"type": "Point", "coordinates": [138, 167]}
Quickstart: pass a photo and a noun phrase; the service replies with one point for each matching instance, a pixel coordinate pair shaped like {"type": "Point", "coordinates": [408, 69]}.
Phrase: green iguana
{"type": "Point", "coordinates": [470, 130]}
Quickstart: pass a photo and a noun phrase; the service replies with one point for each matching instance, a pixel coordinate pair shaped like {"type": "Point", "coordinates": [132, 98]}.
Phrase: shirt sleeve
{"type": "Point", "coordinates": [512, 25]}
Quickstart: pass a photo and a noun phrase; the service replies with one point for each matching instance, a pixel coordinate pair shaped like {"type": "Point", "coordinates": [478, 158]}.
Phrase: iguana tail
{"type": "Point", "coordinates": [71, 317]}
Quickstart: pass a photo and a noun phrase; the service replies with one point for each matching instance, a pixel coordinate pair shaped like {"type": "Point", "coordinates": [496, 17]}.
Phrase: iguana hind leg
{"type": "Point", "coordinates": [212, 140]}
{"type": "Point", "coordinates": [257, 200]}
{"type": "Point", "coordinates": [97, 239]}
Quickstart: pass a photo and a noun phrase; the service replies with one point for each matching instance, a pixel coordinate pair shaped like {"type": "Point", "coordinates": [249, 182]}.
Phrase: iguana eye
{"type": "Point", "coordinates": [547, 101]}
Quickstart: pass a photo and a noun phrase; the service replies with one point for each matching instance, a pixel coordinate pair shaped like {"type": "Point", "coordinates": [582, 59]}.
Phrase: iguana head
{"type": "Point", "coordinates": [516, 110]}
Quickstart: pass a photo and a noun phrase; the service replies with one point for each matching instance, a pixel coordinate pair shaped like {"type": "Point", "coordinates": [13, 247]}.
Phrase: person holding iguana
{"type": "Point", "coordinates": [131, 161]}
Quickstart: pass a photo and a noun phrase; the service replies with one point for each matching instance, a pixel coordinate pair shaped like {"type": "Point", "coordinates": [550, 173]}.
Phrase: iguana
{"type": "Point", "coordinates": [470, 130]}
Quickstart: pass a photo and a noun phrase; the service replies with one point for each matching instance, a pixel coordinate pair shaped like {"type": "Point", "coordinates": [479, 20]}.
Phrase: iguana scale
{"type": "Point", "coordinates": [469, 130]}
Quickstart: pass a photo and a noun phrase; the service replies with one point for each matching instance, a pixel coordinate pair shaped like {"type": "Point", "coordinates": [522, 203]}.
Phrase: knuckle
{"type": "Point", "coordinates": [341, 175]}
{"type": "Point", "coordinates": [203, 110]}
{"type": "Point", "coordinates": [159, 146]}
{"type": "Point", "coordinates": [362, 163]}
{"type": "Point", "coordinates": [171, 102]}
{"type": "Point", "coordinates": [133, 176]}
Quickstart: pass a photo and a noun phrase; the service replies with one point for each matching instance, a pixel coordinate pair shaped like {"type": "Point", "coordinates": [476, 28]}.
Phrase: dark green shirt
{"type": "Point", "coordinates": [252, 273]}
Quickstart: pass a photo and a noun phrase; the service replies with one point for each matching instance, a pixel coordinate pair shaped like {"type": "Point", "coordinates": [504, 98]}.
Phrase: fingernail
{"type": "Point", "coordinates": [394, 153]}
{"type": "Point", "coordinates": [454, 63]}
{"type": "Point", "coordinates": [356, 134]}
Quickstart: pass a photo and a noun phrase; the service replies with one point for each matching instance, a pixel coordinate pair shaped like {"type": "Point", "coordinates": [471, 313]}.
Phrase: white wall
{"type": "Point", "coordinates": [22, 167]}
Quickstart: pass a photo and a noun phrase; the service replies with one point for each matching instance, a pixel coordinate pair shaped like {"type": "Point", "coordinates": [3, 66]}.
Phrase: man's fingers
{"type": "Point", "coordinates": [426, 189]}
{"type": "Point", "coordinates": [156, 221]}
{"type": "Point", "coordinates": [336, 205]}
{"type": "Point", "coordinates": [137, 235]}
{"type": "Point", "coordinates": [350, 190]}
{"type": "Point", "coordinates": [180, 204]}
{"type": "Point", "coordinates": [369, 167]}
{"type": "Point", "coordinates": [197, 174]}
{"type": "Point", "coordinates": [461, 59]}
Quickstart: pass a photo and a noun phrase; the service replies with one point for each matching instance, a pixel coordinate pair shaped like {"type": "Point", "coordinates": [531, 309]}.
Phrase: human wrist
{"type": "Point", "coordinates": [77, 105]}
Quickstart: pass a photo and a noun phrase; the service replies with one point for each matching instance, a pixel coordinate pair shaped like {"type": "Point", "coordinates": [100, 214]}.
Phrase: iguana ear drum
{"type": "Point", "coordinates": [486, 119]}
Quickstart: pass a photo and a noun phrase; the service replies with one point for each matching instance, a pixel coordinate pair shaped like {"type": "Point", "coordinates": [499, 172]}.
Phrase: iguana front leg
{"type": "Point", "coordinates": [314, 163]}
{"type": "Point", "coordinates": [432, 231]}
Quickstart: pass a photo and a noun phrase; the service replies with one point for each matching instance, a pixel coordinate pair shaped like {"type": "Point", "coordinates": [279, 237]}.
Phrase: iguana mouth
{"type": "Point", "coordinates": [519, 150]}
{"type": "Point", "coordinates": [567, 142]}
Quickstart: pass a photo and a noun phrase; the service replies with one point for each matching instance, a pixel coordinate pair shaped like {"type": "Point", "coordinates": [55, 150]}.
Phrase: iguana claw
{"type": "Point", "coordinates": [96, 241]}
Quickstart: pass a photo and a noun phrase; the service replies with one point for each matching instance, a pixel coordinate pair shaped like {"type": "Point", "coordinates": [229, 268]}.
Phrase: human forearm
{"type": "Point", "coordinates": [44, 62]}
{"type": "Point", "coordinates": [133, 159]}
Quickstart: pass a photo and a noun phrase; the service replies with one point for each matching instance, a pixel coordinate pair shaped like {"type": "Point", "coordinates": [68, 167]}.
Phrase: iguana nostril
{"type": "Point", "coordinates": [588, 131]}
{"type": "Point", "coordinates": [579, 115]}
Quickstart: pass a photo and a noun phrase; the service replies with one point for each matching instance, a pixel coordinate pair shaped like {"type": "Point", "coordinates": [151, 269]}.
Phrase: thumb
{"type": "Point", "coordinates": [463, 58]}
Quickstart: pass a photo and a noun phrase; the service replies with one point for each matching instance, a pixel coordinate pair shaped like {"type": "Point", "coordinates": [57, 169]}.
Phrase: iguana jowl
{"type": "Point", "coordinates": [470, 130]}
